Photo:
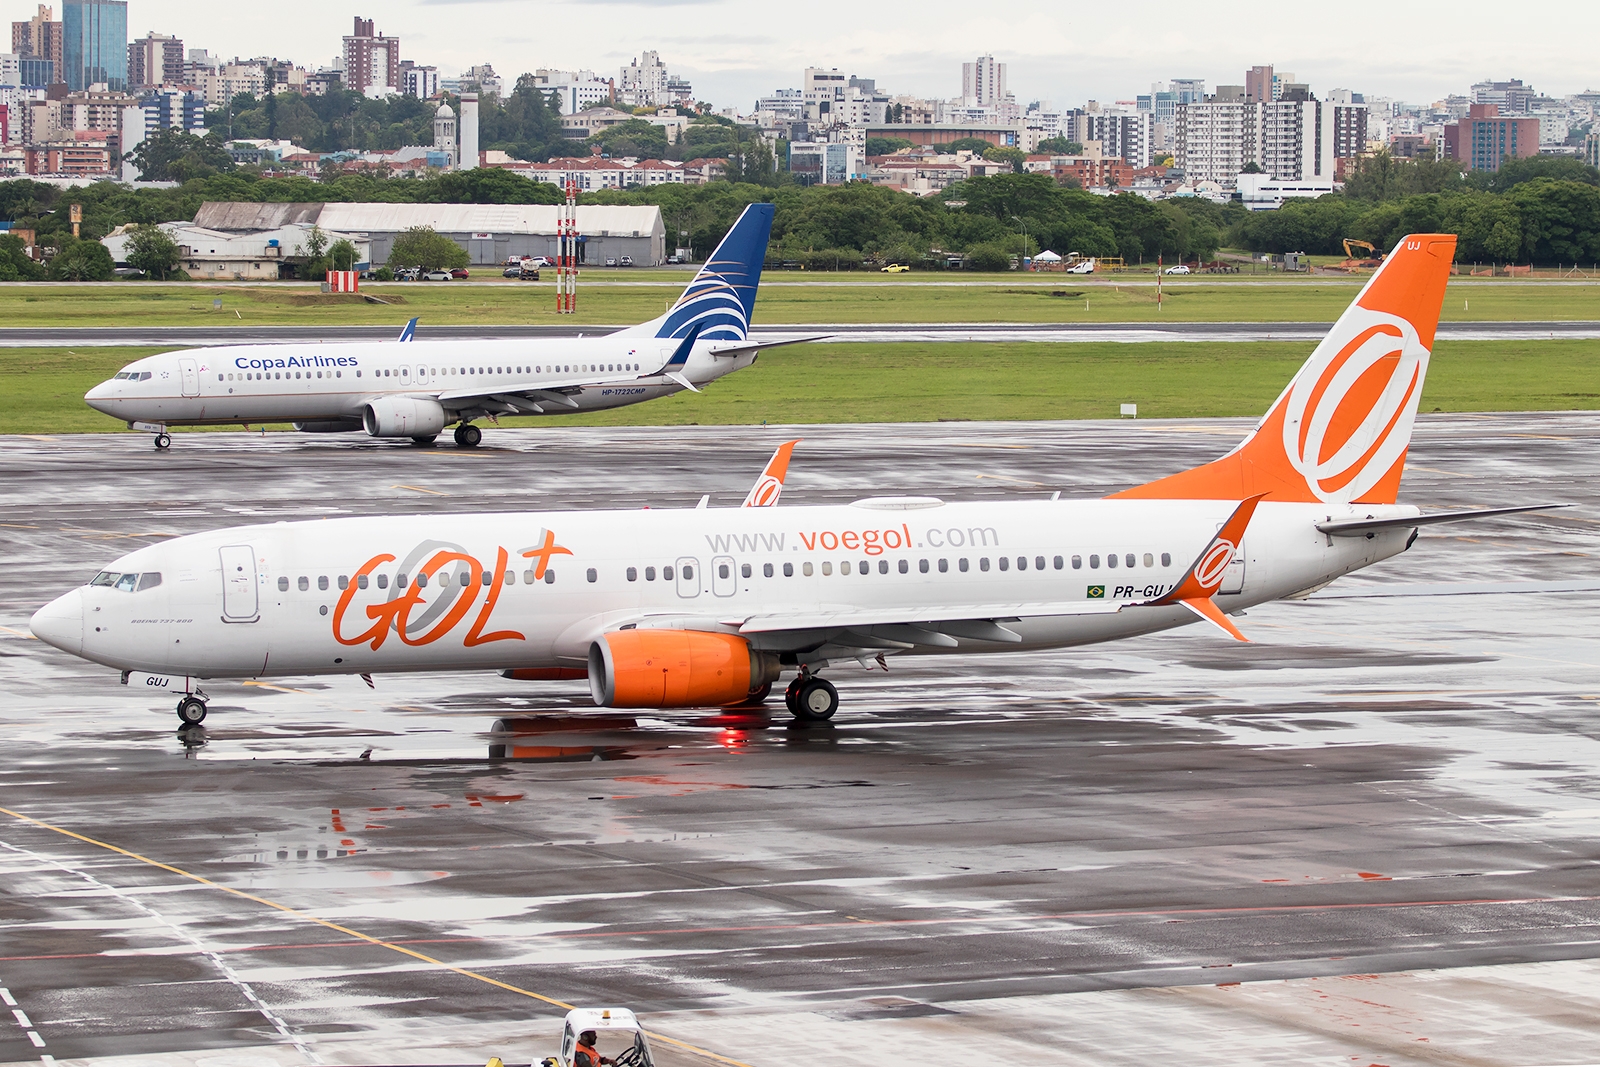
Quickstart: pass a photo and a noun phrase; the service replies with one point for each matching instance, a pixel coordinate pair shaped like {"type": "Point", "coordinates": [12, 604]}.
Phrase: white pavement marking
{"type": "Point", "coordinates": [227, 972]}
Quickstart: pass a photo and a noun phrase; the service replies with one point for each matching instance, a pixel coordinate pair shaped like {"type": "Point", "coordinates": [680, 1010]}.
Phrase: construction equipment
{"type": "Point", "coordinates": [1371, 261]}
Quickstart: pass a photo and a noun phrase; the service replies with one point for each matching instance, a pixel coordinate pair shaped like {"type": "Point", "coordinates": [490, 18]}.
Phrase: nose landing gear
{"type": "Point", "coordinates": [163, 442]}
{"type": "Point", "coordinates": [192, 710]}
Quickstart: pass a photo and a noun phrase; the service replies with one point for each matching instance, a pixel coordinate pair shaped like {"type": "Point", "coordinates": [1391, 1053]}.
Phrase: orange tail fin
{"type": "Point", "coordinates": [1339, 432]}
{"type": "Point", "coordinates": [768, 487]}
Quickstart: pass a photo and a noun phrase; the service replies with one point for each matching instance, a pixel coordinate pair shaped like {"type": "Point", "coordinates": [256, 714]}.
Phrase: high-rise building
{"type": "Point", "coordinates": [1121, 135]}
{"type": "Point", "coordinates": [371, 61]}
{"type": "Point", "coordinates": [1214, 140]}
{"type": "Point", "coordinates": [643, 82]}
{"type": "Point", "coordinates": [39, 38]}
{"type": "Point", "coordinates": [420, 82]}
{"type": "Point", "coordinates": [983, 82]}
{"type": "Point", "coordinates": [94, 44]}
{"type": "Point", "coordinates": [155, 59]}
{"type": "Point", "coordinates": [1290, 140]}
{"type": "Point", "coordinates": [1258, 84]}
{"type": "Point", "coordinates": [1485, 138]}
{"type": "Point", "coordinates": [574, 90]}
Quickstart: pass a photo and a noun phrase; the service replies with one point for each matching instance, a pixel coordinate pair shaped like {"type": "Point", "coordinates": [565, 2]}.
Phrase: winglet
{"type": "Point", "coordinates": [410, 332]}
{"type": "Point", "coordinates": [768, 487]}
{"type": "Point", "coordinates": [1204, 576]}
{"type": "Point", "coordinates": [680, 355]}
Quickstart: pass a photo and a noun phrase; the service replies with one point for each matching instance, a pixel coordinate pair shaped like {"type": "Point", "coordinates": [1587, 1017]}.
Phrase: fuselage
{"type": "Point", "coordinates": [331, 383]}
{"type": "Point", "coordinates": [499, 591]}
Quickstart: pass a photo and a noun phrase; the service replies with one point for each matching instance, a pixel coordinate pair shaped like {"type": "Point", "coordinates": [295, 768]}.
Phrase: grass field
{"type": "Point", "coordinates": [41, 389]}
{"type": "Point", "coordinates": [1027, 300]}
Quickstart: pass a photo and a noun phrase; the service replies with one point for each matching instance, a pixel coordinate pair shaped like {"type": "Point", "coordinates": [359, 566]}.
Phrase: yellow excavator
{"type": "Point", "coordinates": [1371, 261]}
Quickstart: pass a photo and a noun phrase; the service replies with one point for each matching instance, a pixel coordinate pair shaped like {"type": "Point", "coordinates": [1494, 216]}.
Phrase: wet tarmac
{"type": "Point", "coordinates": [1371, 836]}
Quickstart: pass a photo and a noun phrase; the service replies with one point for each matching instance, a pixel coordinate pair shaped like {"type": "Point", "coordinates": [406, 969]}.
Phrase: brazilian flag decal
{"type": "Point", "coordinates": [1097, 592]}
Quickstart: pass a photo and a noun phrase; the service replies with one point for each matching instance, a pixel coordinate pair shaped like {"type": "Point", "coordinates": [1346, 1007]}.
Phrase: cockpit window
{"type": "Point", "coordinates": [127, 583]}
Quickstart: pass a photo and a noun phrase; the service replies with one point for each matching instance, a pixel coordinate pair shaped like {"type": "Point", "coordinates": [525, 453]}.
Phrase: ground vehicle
{"type": "Point", "coordinates": [437, 276]}
{"type": "Point", "coordinates": [611, 261]}
{"type": "Point", "coordinates": [538, 261]}
{"type": "Point", "coordinates": [460, 272]}
{"type": "Point", "coordinates": [894, 268]}
{"type": "Point", "coordinates": [619, 1037]}
{"type": "Point", "coordinates": [528, 272]}
{"type": "Point", "coordinates": [513, 271]}
{"type": "Point", "coordinates": [369, 275]}
{"type": "Point", "coordinates": [1181, 268]}
{"type": "Point", "coordinates": [1083, 266]}
{"type": "Point", "coordinates": [625, 261]}
{"type": "Point", "coordinates": [407, 274]}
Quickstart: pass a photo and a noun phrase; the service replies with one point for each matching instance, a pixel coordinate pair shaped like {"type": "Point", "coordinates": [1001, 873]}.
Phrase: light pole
{"type": "Point", "coordinates": [1023, 229]}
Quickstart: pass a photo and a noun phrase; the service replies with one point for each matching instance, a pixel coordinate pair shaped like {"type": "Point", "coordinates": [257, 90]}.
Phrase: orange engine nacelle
{"type": "Point", "coordinates": [675, 669]}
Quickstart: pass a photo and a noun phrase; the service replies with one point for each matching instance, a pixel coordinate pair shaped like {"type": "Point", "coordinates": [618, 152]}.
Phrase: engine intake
{"type": "Point", "coordinates": [676, 669]}
{"type": "Point", "coordinates": [403, 416]}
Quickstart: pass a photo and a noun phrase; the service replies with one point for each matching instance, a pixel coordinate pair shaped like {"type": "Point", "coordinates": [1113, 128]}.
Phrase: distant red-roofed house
{"type": "Point", "coordinates": [700, 171]}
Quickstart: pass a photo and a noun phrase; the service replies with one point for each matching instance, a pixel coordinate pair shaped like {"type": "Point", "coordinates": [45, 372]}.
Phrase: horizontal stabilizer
{"type": "Point", "coordinates": [1207, 609]}
{"type": "Point", "coordinates": [1361, 527]}
{"type": "Point", "coordinates": [733, 348]}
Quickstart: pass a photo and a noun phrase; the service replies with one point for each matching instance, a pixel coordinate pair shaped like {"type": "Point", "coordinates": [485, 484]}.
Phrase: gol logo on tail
{"type": "Point", "coordinates": [1350, 409]}
{"type": "Point", "coordinates": [458, 578]}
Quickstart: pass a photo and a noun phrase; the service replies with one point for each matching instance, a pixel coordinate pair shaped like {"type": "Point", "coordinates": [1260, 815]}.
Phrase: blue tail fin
{"type": "Point", "coordinates": [722, 297]}
{"type": "Point", "coordinates": [410, 332]}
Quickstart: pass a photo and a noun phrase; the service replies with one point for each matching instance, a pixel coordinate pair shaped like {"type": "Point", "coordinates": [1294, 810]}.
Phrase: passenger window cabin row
{"type": "Point", "coordinates": [685, 572]}
{"type": "Point", "coordinates": [422, 372]}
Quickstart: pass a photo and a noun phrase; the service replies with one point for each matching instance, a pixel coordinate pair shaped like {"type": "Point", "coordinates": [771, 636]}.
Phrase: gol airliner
{"type": "Point", "coordinates": [415, 390]}
{"type": "Point", "coordinates": [710, 607]}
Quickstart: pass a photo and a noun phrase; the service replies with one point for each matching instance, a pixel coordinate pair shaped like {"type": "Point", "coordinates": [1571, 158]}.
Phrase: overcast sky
{"type": "Point", "coordinates": [732, 51]}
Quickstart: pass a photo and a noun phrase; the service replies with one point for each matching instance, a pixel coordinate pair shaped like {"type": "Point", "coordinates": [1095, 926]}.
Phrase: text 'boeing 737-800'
{"type": "Point", "coordinates": [417, 388]}
{"type": "Point", "coordinates": [707, 607]}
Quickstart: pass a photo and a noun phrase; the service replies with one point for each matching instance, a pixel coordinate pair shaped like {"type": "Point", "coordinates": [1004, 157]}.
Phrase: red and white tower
{"type": "Point", "coordinates": [567, 252]}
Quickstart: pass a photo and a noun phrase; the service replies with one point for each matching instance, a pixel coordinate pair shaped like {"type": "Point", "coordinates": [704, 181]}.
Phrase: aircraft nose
{"type": "Point", "coordinates": [60, 623]}
{"type": "Point", "coordinates": [98, 397]}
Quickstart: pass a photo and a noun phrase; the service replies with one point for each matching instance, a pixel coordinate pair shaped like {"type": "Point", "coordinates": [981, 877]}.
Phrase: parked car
{"type": "Point", "coordinates": [407, 274]}
{"type": "Point", "coordinates": [1181, 268]}
{"type": "Point", "coordinates": [369, 275]}
{"type": "Point", "coordinates": [611, 261]}
{"type": "Point", "coordinates": [460, 272]}
{"type": "Point", "coordinates": [674, 258]}
{"type": "Point", "coordinates": [512, 272]}
{"type": "Point", "coordinates": [437, 276]}
{"type": "Point", "coordinates": [625, 261]}
{"type": "Point", "coordinates": [895, 268]}
{"type": "Point", "coordinates": [538, 261]}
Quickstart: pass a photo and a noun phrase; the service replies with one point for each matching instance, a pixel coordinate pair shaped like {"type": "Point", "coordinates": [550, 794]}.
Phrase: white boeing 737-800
{"type": "Point", "coordinates": [708, 607]}
{"type": "Point", "coordinates": [415, 389]}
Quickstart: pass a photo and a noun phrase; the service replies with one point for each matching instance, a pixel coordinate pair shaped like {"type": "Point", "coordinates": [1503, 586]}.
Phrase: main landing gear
{"type": "Point", "coordinates": [468, 435]}
{"type": "Point", "coordinates": [192, 710]}
{"type": "Point", "coordinates": [811, 699]}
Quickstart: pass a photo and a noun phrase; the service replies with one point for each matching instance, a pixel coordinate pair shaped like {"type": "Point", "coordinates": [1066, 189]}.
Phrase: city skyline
{"type": "Point", "coordinates": [732, 56]}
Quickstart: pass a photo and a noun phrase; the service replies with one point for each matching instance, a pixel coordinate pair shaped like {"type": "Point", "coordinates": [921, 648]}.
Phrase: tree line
{"type": "Point", "coordinates": [1541, 210]}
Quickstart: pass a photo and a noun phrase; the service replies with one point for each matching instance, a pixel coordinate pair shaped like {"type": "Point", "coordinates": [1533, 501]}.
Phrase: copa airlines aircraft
{"type": "Point", "coordinates": [708, 607]}
{"type": "Point", "coordinates": [417, 389]}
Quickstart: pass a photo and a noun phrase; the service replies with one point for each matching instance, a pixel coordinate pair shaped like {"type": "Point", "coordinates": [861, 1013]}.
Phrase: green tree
{"type": "Point", "coordinates": [342, 255]}
{"type": "Point", "coordinates": [177, 156]}
{"type": "Point", "coordinates": [151, 250]}
{"type": "Point", "coordinates": [634, 137]}
{"type": "Point", "coordinates": [15, 266]}
{"type": "Point", "coordinates": [1514, 172]}
{"type": "Point", "coordinates": [1060, 146]}
{"type": "Point", "coordinates": [968, 144]}
{"type": "Point", "coordinates": [1014, 156]}
{"type": "Point", "coordinates": [991, 256]}
{"type": "Point", "coordinates": [421, 247]}
{"type": "Point", "coordinates": [886, 146]}
{"type": "Point", "coordinates": [82, 261]}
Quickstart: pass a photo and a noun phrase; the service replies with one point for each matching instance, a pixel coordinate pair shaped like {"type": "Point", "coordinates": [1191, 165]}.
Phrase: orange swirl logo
{"type": "Point", "coordinates": [1350, 409]}
{"type": "Point", "coordinates": [765, 492]}
{"type": "Point", "coordinates": [1214, 564]}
